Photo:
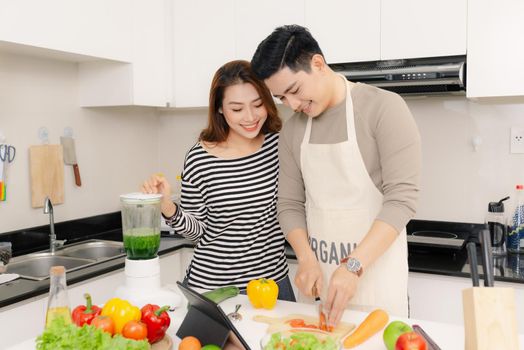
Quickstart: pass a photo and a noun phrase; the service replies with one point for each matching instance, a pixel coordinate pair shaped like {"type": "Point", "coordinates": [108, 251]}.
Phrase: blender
{"type": "Point", "coordinates": [141, 234]}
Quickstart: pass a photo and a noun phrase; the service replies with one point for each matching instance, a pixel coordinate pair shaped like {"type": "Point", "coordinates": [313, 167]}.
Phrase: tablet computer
{"type": "Point", "coordinates": [206, 320]}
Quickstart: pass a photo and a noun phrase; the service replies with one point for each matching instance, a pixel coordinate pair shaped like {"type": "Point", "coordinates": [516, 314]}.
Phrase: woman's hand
{"type": "Point", "coordinates": [309, 276]}
{"type": "Point", "coordinates": [159, 184]}
{"type": "Point", "coordinates": [342, 287]}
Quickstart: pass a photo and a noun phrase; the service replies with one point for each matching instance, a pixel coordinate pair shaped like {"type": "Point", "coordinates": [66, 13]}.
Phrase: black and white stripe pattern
{"type": "Point", "coordinates": [229, 210]}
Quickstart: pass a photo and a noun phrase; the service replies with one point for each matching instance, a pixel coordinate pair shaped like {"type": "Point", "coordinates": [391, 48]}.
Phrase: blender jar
{"type": "Point", "coordinates": [141, 225]}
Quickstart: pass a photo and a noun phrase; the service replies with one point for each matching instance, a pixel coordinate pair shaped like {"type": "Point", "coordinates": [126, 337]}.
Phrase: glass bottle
{"type": "Point", "coordinates": [58, 304]}
{"type": "Point", "coordinates": [515, 239]}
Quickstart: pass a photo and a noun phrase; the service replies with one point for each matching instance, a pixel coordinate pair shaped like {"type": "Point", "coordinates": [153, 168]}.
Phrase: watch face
{"type": "Point", "coordinates": [353, 265]}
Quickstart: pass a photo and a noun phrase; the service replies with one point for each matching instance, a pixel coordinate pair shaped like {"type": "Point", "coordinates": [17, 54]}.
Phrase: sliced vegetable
{"type": "Point", "coordinates": [121, 311]}
{"type": "Point", "coordinates": [300, 341]}
{"type": "Point", "coordinates": [85, 313]}
{"type": "Point", "coordinates": [262, 293]}
{"type": "Point", "coordinates": [374, 322]}
{"type": "Point", "coordinates": [157, 321]}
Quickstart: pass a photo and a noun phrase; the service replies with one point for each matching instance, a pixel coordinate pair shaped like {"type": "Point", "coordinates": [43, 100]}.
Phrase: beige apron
{"type": "Point", "coordinates": [341, 204]}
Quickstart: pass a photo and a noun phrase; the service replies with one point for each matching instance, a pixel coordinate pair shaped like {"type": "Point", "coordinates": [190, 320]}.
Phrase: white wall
{"type": "Point", "coordinates": [116, 147]}
{"type": "Point", "coordinates": [457, 182]}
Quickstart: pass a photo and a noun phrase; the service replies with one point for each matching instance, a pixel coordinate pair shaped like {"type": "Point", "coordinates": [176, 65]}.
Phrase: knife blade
{"type": "Point", "coordinates": [322, 315]}
{"type": "Point", "coordinates": [68, 145]}
{"type": "Point", "coordinates": [431, 344]}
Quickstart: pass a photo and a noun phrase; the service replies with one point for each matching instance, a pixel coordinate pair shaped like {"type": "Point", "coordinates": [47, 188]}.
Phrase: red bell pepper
{"type": "Point", "coordinates": [157, 321]}
{"type": "Point", "coordinates": [83, 314]}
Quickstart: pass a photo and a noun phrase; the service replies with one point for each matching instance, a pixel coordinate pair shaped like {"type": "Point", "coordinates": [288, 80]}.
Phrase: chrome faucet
{"type": "Point", "coordinates": [53, 242]}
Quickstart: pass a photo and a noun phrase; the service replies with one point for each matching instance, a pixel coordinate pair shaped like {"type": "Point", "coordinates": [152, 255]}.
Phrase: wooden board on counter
{"type": "Point", "coordinates": [46, 164]}
{"type": "Point", "coordinates": [165, 344]}
{"type": "Point", "coordinates": [282, 323]}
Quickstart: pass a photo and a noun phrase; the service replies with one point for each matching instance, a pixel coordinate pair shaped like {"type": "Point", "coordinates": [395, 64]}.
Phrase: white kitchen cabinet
{"type": "Point", "coordinates": [255, 20]}
{"type": "Point", "coordinates": [495, 50]}
{"type": "Point", "coordinates": [94, 29]}
{"type": "Point", "coordinates": [422, 28]}
{"type": "Point", "coordinates": [146, 80]}
{"type": "Point", "coordinates": [346, 30]}
{"type": "Point", "coordinates": [204, 39]}
{"type": "Point", "coordinates": [439, 298]}
{"type": "Point", "coordinates": [101, 288]}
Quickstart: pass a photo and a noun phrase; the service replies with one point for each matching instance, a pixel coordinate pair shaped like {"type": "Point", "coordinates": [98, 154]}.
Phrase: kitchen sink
{"type": "Point", "coordinates": [95, 250]}
{"type": "Point", "coordinates": [73, 257]}
{"type": "Point", "coordinates": [36, 266]}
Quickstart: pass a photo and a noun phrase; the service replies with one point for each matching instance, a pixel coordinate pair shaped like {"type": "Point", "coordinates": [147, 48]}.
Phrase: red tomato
{"type": "Point", "coordinates": [105, 323]}
{"type": "Point", "coordinates": [135, 330]}
{"type": "Point", "coordinates": [410, 341]}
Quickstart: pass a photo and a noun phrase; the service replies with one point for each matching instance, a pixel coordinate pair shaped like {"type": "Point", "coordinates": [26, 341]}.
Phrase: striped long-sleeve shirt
{"type": "Point", "coordinates": [228, 207]}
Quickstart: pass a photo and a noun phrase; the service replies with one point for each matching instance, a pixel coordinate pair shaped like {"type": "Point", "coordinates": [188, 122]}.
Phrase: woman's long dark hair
{"type": "Point", "coordinates": [232, 73]}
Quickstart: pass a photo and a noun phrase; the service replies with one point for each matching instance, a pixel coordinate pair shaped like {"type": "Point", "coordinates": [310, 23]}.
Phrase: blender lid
{"type": "Point", "coordinates": [141, 197]}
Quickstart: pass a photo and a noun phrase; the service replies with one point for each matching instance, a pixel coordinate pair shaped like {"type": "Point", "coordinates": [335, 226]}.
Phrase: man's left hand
{"type": "Point", "coordinates": [342, 287]}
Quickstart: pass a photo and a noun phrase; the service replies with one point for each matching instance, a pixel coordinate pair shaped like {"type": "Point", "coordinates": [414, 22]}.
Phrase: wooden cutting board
{"type": "Point", "coordinates": [46, 164]}
{"type": "Point", "coordinates": [165, 344]}
{"type": "Point", "coordinates": [281, 323]}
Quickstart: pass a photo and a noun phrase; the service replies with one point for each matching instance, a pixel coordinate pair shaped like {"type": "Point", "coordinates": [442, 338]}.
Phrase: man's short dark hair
{"type": "Point", "coordinates": [289, 46]}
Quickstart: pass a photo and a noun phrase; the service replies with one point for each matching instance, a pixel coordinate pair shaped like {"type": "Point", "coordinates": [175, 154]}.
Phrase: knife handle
{"type": "Point", "coordinates": [78, 180]}
{"type": "Point", "coordinates": [472, 254]}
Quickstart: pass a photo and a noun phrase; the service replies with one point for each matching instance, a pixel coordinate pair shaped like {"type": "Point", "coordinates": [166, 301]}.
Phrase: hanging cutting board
{"type": "Point", "coordinates": [282, 323]}
{"type": "Point", "coordinates": [46, 164]}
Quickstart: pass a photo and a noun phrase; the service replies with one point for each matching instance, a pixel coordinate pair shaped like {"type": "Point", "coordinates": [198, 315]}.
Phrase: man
{"type": "Point", "coordinates": [350, 163]}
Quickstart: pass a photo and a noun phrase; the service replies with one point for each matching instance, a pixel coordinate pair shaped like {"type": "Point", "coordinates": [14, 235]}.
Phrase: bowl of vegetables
{"type": "Point", "coordinates": [300, 338]}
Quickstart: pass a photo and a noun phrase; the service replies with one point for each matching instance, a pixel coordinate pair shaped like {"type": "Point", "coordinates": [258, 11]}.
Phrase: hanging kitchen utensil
{"type": "Point", "coordinates": [70, 156]}
{"type": "Point", "coordinates": [7, 156]}
{"type": "Point", "coordinates": [46, 163]}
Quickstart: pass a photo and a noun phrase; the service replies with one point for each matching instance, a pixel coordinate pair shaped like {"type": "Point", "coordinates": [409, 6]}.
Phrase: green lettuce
{"type": "Point", "coordinates": [300, 341]}
{"type": "Point", "coordinates": [63, 336]}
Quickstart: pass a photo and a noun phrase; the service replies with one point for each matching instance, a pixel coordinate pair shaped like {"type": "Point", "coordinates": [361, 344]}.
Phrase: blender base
{"type": "Point", "coordinates": [142, 285]}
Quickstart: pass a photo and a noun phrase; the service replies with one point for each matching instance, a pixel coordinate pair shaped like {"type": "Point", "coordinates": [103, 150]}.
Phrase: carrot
{"type": "Point", "coordinates": [374, 322]}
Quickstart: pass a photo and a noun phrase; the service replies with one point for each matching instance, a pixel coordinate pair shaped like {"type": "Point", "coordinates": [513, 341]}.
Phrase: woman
{"type": "Point", "coordinates": [229, 188]}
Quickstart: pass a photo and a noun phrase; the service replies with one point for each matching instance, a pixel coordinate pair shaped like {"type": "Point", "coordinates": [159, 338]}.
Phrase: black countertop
{"type": "Point", "coordinates": [424, 259]}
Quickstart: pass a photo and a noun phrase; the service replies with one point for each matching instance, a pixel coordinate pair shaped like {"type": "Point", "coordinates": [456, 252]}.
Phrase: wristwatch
{"type": "Point", "coordinates": [353, 265]}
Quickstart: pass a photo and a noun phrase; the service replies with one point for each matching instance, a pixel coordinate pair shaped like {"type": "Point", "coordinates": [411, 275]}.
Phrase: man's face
{"type": "Point", "coordinates": [302, 91]}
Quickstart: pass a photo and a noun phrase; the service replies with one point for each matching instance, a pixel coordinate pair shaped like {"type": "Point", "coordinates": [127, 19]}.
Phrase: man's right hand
{"type": "Point", "coordinates": [309, 277]}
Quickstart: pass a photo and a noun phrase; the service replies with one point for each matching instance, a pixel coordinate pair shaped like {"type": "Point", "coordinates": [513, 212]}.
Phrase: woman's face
{"type": "Point", "coordinates": [243, 110]}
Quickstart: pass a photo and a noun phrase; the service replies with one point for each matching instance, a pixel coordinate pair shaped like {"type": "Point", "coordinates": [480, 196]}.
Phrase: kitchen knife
{"type": "Point", "coordinates": [487, 258]}
{"type": "Point", "coordinates": [431, 344]}
{"type": "Point", "coordinates": [322, 320]}
{"type": "Point", "coordinates": [70, 157]}
{"type": "Point", "coordinates": [472, 255]}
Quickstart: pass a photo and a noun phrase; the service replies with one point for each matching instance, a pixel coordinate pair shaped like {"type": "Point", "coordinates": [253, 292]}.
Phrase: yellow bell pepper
{"type": "Point", "coordinates": [121, 311]}
{"type": "Point", "coordinates": [262, 293]}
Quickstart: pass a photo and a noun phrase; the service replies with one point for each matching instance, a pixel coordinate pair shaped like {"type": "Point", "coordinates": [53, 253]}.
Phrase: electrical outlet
{"type": "Point", "coordinates": [517, 140]}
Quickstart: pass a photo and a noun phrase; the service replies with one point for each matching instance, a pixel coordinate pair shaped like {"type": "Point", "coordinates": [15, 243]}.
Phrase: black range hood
{"type": "Point", "coordinates": [433, 75]}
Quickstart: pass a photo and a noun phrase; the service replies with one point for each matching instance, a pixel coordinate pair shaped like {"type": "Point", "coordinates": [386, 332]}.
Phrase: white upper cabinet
{"type": "Point", "coordinates": [204, 39]}
{"type": "Point", "coordinates": [255, 20]}
{"type": "Point", "coordinates": [146, 80]}
{"type": "Point", "coordinates": [423, 28]}
{"type": "Point", "coordinates": [495, 48]}
{"type": "Point", "coordinates": [346, 30]}
{"type": "Point", "coordinates": [94, 28]}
